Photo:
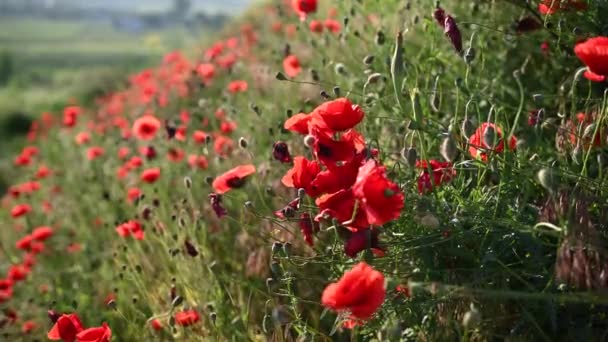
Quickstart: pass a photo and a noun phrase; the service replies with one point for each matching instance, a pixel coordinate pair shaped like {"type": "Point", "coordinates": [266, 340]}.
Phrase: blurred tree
{"type": "Point", "coordinates": [6, 67]}
{"type": "Point", "coordinates": [181, 8]}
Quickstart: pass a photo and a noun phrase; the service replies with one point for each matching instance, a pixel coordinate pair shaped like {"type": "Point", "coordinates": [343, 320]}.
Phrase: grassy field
{"type": "Point", "coordinates": [325, 171]}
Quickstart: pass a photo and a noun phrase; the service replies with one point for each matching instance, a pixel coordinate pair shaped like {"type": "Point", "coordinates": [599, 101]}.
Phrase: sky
{"type": "Point", "coordinates": [226, 6]}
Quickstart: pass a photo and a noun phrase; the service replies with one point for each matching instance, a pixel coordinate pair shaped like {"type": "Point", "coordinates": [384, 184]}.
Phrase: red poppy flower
{"type": "Point", "coordinates": [332, 152]}
{"type": "Point", "coordinates": [133, 194]}
{"type": "Point", "coordinates": [20, 210]}
{"type": "Point", "coordinates": [17, 273]}
{"type": "Point", "coordinates": [442, 172]}
{"type": "Point", "coordinates": [227, 126]}
{"type": "Point", "coordinates": [340, 114]}
{"type": "Point", "coordinates": [66, 328]}
{"type": "Point", "coordinates": [42, 233]}
{"type": "Point", "coordinates": [341, 206]}
{"type": "Point", "coordinates": [94, 152]}
{"type": "Point", "coordinates": [316, 26]}
{"type": "Point", "coordinates": [148, 151]}
{"type": "Point", "coordinates": [70, 115]}
{"type": "Point", "coordinates": [233, 179]}
{"type": "Point", "coordinates": [24, 243]}
{"type": "Point", "coordinates": [145, 127]}
{"type": "Point", "coordinates": [43, 172]}
{"type": "Point", "coordinates": [333, 25]}
{"type": "Point", "coordinates": [380, 199]}
{"type": "Point", "coordinates": [206, 71]}
{"type": "Point", "coordinates": [478, 146]}
{"type": "Point", "coordinates": [96, 334]}
{"type": "Point", "coordinates": [302, 174]}
{"type": "Point", "coordinates": [187, 318]}
{"type": "Point", "coordinates": [82, 138]}
{"type": "Point", "coordinates": [237, 86]}
{"type": "Point", "coordinates": [131, 228]}
{"type": "Point", "coordinates": [223, 145]}
{"type": "Point", "coordinates": [199, 137]}
{"type": "Point", "coordinates": [135, 162]}
{"type": "Point", "coordinates": [291, 66]}
{"type": "Point", "coordinates": [338, 177]}
{"type": "Point", "coordinates": [594, 53]}
{"type": "Point", "coordinates": [175, 154]}
{"type": "Point", "coordinates": [150, 175]}
{"type": "Point", "coordinates": [28, 326]}
{"type": "Point", "coordinates": [156, 325]}
{"type": "Point", "coordinates": [360, 292]}
{"type": "Point", "coordinates": [303, 7]}
{"type": "Point", "coordinates": [548, 7]}
{"type": "Point", "coordinates": [199, 162]}
{"type": "Point", "coordinates": [298, 123]}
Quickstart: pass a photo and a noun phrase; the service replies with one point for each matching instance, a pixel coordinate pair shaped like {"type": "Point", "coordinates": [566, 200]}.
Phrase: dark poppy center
{"type": "Point", "coordinates": [236, 182]}
{"type": "Point", "coordinates": [324, 150]}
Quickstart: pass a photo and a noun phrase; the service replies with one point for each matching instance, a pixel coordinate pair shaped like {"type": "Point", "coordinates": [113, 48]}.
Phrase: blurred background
{"type": "Point", "coordinates": [56, 52]}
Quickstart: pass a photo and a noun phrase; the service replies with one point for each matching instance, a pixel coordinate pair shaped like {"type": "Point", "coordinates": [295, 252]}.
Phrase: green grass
{"type": "Point", "coordinates": [495, 253]}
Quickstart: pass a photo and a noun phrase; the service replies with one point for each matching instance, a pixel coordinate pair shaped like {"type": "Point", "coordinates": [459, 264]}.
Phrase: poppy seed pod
{"type": "Point", "coordinates": [448, 148]}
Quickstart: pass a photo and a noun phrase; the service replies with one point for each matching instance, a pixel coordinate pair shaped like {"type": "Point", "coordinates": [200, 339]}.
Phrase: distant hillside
{"type": "Point", "coordinates": [226, 6]}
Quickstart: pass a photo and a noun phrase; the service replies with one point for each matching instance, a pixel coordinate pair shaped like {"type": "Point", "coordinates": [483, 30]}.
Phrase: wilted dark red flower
{"type": "Point", "coordinates": [289, 210]}
{"type": "Point", "coordinates": [66, 328]}
{"type": "Point", "coordinates": [361, 240]}
{"type": "Point", "coordinates": [303, 7]}
{"type": "Point", "coordinates": [148, 151]}
{"type": "Point", "coordinates": [291, 66]}
{"type": "Point", "coordinates": [594, 53]}
{"type": "Point", "coordinates": [453, 33]}
{"type": "Point", "coordinates": [96, 334]}
{"type": "Point", "coordinates": [302, 174]}
{"type": "Point", "coordinates": [308, 227]}
{"type": "Point", "coordinates": [527, 24]}
{"type": "Point", "coordinates": [442, 172]}
{"type": "Point", "coordinates": [359, 292]}
{"type": "Point", "coordinates": [478, 142]}
{"type": "Point", "coordinates": [190, 249]}
{"type": "Point", "coordinates": [233, 179]}
{"type": "Point", "coordinates": [280, 152]}
{"type": "Point", "coordinates": [439, 15]}
{"type": "Point", "coordinates": [216, 205]}
{"type": "Point", "coordinates": [380, 199]}
{"type": "Point", "coordinates": [150, 175]}
{"type": "Point", "coordinates": [187, 317]}
{"type": "Point", "coordinates": [145, 127]}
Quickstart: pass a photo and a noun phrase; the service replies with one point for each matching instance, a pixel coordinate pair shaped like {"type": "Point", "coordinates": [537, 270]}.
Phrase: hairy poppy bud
{"type": "Point", "coordinates": [309, 141]}
{"type": "Point", "coordinates": [380, 38]}
{"type": "Point", "coordinates": [547, 178]}
{"type": "Point", "coordinates": [280, 76]}
{"type": "Point", "coordinates": [467, 129]}
{"type": "Point", "coordinates": [469, 55]}
{"type": "Point", "coordinates": [368, 60]}
{"type": "Point", "coordinates": [490, 137]}
{"type": "Point", "coordinates": [243, 143]}
{"type": "Point", "coordinates": [336, 91]}
{"type": "Point", "coordinates": [471, 318]}
{"type": "Point", "coordinates": [448, 149]}
{"type": "Point", "coordinates": [340, 69]}
{"type": "Point", "coordinates": [177, 301]}
{"type": "Point", "coordinates": [187, 182]}
{"type": "Point", "coordinates": [410, 155]}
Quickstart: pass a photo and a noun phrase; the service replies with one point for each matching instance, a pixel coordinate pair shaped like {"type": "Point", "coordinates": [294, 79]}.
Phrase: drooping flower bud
{"type": "Point", "coordinates": [453, 33]}
{"type": "Point", "coordinates": [448, 149]}
{"type": "Point", "coordinates": [280, 152]}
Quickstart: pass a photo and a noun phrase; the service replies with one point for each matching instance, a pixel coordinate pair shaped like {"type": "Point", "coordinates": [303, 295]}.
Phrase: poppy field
{"type": "Point", "coordinates": [354, 170]}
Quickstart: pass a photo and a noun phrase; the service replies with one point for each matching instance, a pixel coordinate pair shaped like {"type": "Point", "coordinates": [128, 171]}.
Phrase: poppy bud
{"type": "Point", "coordinates": [410, 155]}
{"type": "Point", "coordinates": [243, 143]}
{"type": "Point", "coordinates": [469, 55]}
{"type": "Point", "coordinates": [547, 178]}
{"type": "Point", "coordinates": [577, 154]}
{"type": "Point", "coordinates": [270, 191]}
{"type": "Point", "coordinates": [213, 317]}
{"type": "Point", "coordinates": [187, 182]}
{"type": "Point", "coordinates": [53, 315]}
{"type": "Point", "coordinates": [190, 249]}
{"type": "Point", "coordinates": [301, 194]}
{"type": "Point", "coordinates": [249, 205]}
{"type": "Point", "coordinates": [490, 137]}
{"type": "Point", "coordinates": [538, 98]}
{"type": "Point", "coordinates": [380, 38]}
{"type": "Point", "coordinates": [209, 180]}
{"type": "Point", "coordinates": [324, 95]}
{"type": "Point", "coordinates": [314, 74]}
{"type": "Point", "coordinates": [111, 304]}
{"type": "Point", "coordinates": [280, 76]}
{"type": "Point", "coordinates": [589, 130]}
{"type": "Point", "coordinates": [373, 78]}
{"type": "Point", "coordinates": [309, 141]}
{"type": "Point", "coordinates": [368, 60]}
{"type": "Point", "coordinates": [276, 247]}
{"type": "Point", "coordinates": [471, 318]}
{"type": "Point", "coordinates": [448, 149]}
{"type": "Point", "coordinates": [177, 301]}
{"type": "Point", "coordinates": [340, 69]}
{"type": "Point", "coordinates": [467, 129]}
{"type": "Point", "coordinates": [269, 283]}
